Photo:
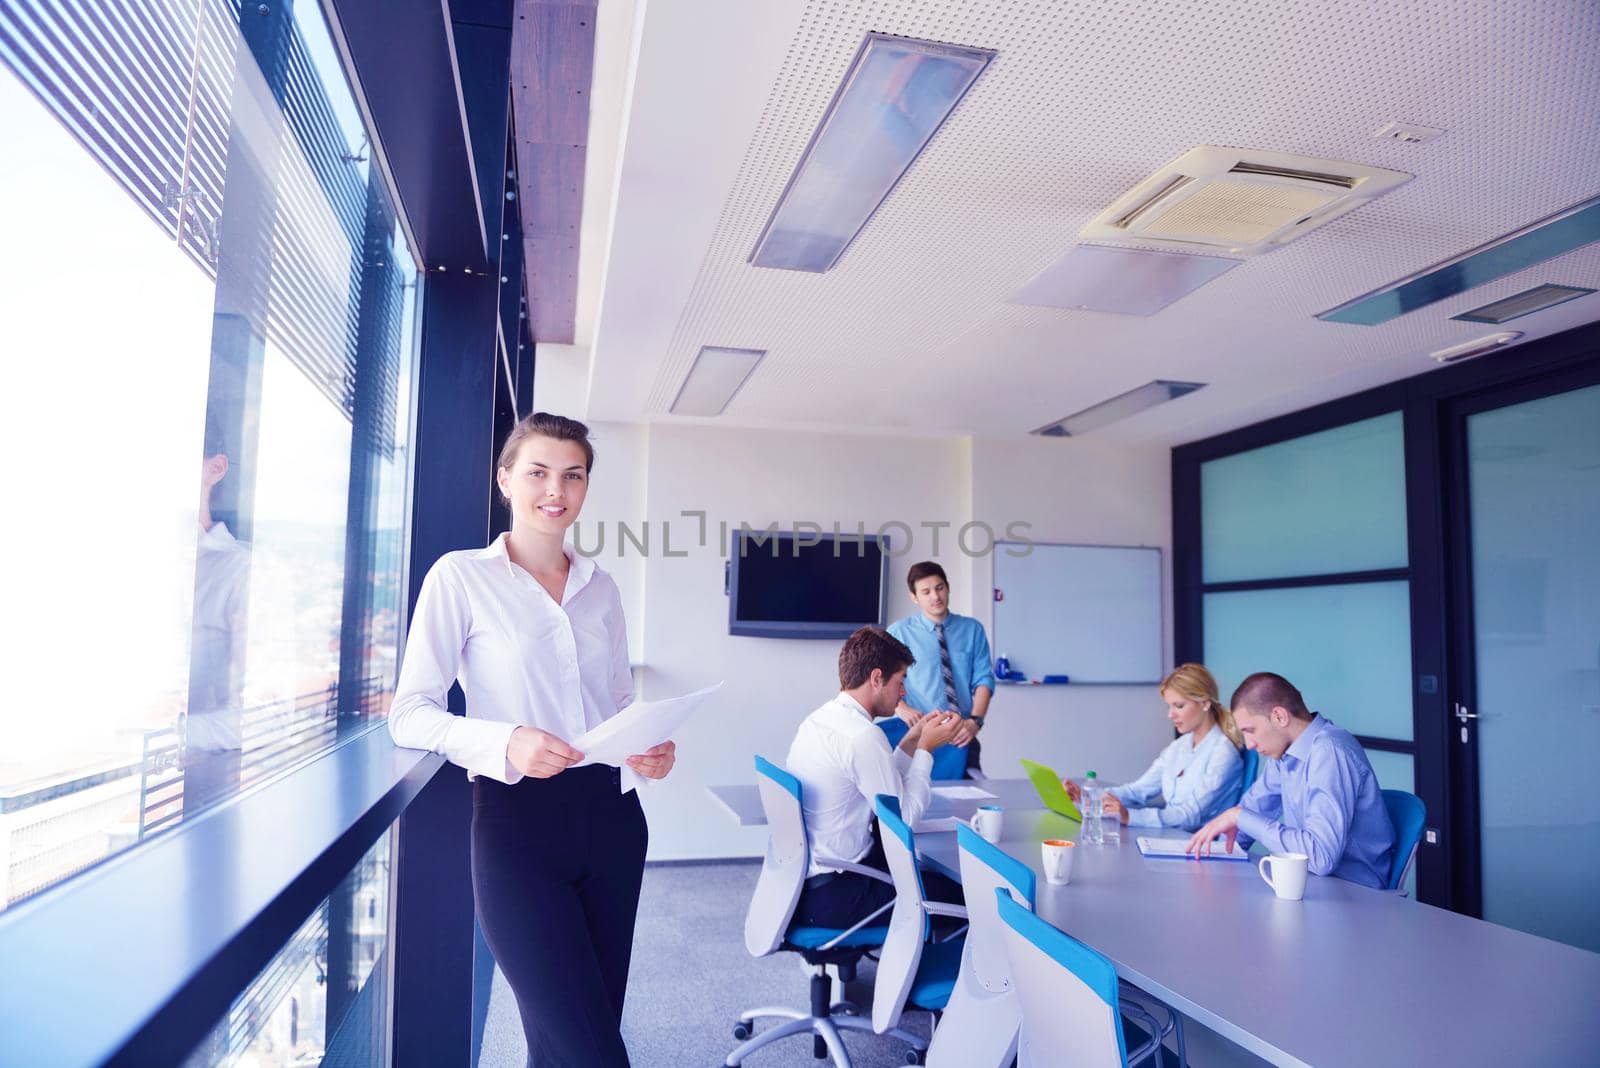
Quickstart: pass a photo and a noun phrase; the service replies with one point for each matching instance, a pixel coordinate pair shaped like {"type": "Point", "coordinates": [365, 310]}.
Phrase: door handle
{"type": "Point", "coordinates": [1463, 715]}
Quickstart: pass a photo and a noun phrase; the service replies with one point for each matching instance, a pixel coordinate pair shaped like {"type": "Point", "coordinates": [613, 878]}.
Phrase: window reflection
{"type": "Point", "coordinates": [324, 995]}
{"type": "Point", "coordinates": [205, 431]}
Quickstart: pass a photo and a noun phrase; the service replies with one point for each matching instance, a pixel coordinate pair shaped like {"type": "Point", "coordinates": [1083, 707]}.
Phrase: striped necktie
{"type": "Point", "coordinates": [949, 672]}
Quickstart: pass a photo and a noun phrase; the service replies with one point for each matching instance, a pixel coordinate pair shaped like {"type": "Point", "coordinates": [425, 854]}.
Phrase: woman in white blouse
{"type": "Point", "coordinates": [1195, 777]}
{"type": "Point", "coordinates": [535, 635]}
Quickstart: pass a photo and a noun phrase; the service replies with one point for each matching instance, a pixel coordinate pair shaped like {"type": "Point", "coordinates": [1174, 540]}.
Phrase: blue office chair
{"type": "Point", "coordinates": [1071, 1011]}
{"type": "Point", "coordinates": [948, 761]}
{"type": "Point", "coordinates": [1252, 768]}
{"type": "Point", "coordinates": [1408, 814]}
{"type": "Point", "coordinates": [768, 929]}
{"type": "Point", "coordinates": [894, 728]}
{"type": "Point", "coordinates": [912, 970]}
{"type": "Point", "coordinates": [982, 1017]}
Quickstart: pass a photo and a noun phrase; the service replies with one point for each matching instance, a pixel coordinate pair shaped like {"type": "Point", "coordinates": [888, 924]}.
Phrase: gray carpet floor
{"type": "Point", "coordinates": [691, 977]}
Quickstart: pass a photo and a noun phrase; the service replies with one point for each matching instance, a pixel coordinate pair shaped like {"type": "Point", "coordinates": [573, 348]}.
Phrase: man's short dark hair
{"type": "Point", "coordinates": [1264, 691]}
{"type": "Point", "coordinates": [869, 648]}
{"type": "Point", "coordinates": [926, 569]}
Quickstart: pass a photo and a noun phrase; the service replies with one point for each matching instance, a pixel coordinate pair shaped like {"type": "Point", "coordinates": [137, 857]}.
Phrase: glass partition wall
{"type": "Point", "coordinates": [1305, 570]}
{"type": "Point", "coordinates": [1421, 560]}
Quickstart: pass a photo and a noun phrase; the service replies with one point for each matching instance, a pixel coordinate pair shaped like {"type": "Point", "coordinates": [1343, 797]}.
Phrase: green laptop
{"type": "Point", "coordinates": [1051, 792]}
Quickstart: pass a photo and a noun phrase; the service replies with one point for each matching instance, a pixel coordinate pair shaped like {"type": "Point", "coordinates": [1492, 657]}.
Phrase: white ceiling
{"type": "Point", "coordinates": [911, 331]}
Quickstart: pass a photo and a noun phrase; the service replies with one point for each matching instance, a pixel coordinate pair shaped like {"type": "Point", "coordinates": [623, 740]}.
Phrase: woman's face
{"type": "Point", "coordinates": [546, 484]}
{"type": "Point", "coordinates": [1185, 713]}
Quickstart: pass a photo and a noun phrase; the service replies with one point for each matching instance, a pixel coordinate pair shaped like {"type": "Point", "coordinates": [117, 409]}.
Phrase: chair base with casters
{"type": "Point", "coordinates": [770, 928]}
{"type": "Point", "coordinates": [827, 1018]}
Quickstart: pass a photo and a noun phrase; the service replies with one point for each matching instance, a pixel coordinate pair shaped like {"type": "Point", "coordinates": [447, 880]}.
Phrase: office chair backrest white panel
{"type": "Point", "coordinates": [783, 871]}
{"type": "Point", "coordinates": [984, 867]}
{"type": "Point", "coordinates": [1065, 1020]}
{"type": "Point", "coordinates": [908, 924]}
{"type": "Point", "coordinates": [982, 1019]}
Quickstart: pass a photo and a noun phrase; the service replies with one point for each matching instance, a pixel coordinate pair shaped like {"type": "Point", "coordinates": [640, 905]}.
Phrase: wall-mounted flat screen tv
{"type": "Point", "coordinates": [804, 585]}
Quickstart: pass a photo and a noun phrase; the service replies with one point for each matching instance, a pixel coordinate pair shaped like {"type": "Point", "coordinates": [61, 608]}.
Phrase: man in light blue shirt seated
{"type": "Point", "coordinates": [952, 672]}
{"type": "Point", "coordinates": [1318, 795]}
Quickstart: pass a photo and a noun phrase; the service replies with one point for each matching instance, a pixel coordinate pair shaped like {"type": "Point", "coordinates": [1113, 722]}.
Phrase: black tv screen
{"type": "Point", "coordinates": [804, 585]}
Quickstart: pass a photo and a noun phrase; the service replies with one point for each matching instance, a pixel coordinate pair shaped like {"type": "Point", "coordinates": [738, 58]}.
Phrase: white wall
{"type": "Point", "coordinates": [677, 613]}
{"type": "Point", "coordinates": [1075, 491]}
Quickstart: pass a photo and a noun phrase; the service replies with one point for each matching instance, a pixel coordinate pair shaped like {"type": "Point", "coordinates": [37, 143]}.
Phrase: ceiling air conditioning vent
{"type": "Point", "coordinates": [1238, 201]}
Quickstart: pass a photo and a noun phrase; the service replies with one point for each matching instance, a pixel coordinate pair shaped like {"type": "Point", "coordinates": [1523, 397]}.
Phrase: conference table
{"type": "Point", "coordinates": [1347, 976]}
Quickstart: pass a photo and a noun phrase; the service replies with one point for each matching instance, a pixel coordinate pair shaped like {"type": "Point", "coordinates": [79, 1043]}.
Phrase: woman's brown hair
{"type": "Point", "coordinates": [546, 425]}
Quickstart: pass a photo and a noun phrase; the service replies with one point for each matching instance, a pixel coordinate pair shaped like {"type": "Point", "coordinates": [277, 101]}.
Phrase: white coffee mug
{"type": "Point", "coordinates": [1056, 856]}
{"type": "Point", "coordinates": [1288, 874]}
{"type": "Point", "coordinates": [987, 822]}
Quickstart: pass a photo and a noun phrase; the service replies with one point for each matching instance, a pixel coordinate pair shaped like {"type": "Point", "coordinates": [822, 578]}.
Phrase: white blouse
{"type": "Point", "coordinates": [521, 658]}
{"type": "Point", "coordinates": [1187, 785]}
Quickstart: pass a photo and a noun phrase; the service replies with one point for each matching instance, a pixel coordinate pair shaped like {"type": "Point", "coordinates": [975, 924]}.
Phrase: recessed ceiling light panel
{"type": "Point", "coordinates": [895, 96]}
{"type": "Point", "coordinates": [1525, 303]}
{"type": "Point", "coordinates": [716, 376]}
{"type": "Point", "coordinates": [1123, 280]}
{"type": "Point", "coordinates": [1239, 201]}
{"type": "Point", "coordinates": [1551, 236]}
{"type": "Point", "coordinates": [1119, 407]}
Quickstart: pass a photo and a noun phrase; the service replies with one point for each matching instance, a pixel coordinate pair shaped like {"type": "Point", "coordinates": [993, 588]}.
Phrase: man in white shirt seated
{"type": "Point", "coordinates": [843, 761]}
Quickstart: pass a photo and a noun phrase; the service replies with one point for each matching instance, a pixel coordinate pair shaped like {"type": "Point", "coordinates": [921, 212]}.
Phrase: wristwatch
{"type": "Point", "coordinates": [978, 721]}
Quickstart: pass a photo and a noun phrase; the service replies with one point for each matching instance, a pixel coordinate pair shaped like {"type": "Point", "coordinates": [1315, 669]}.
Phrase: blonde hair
{"type": "Point", "coordinates": [1196, 683]}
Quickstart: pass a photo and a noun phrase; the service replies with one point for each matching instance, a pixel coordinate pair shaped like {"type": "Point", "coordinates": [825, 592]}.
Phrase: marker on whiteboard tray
{"type": "Point", "coordinates": [1055, 680]}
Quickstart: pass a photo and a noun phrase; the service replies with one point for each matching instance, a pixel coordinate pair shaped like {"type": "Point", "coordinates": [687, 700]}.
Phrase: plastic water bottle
{"type": "Point", "coordinates": [1093, 832]}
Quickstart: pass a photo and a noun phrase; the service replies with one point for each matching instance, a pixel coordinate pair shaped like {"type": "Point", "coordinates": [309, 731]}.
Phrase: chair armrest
{"type": "Point", "coordinates": [848, 931]}
{"type": "Point", "coordinates": [848, 865]}
{"type": "Point", "coordinates": [939, 908]}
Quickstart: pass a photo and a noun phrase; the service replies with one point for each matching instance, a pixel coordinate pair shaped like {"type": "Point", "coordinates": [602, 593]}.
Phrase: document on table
{"type": "Point", "coordinates": [935, 824]}
{"type": "Point", "coordinates": [962, 793]}
{"type": "Point", "coordinates": [636, 728]}
{"type": "Point", "coordinates": [1174, 849]}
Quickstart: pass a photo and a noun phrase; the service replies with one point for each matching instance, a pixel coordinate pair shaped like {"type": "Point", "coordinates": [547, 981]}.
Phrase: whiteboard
{"type": "Point", "coordinates": [1090, 612]}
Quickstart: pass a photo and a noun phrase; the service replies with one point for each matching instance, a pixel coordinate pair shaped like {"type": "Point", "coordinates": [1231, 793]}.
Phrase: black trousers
{"type": "Point", "coordinates": [842, 899]}
{"type": "Point", "coordinates": [556, 868]}
{"type": "Point", "coordinates": [974, 754]}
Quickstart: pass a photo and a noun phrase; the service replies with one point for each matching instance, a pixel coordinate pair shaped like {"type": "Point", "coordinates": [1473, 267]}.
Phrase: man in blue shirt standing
{"type": "Point", "coordinates": [1318, 795]}
{"type": "Point", "coordinates": [952, 672]}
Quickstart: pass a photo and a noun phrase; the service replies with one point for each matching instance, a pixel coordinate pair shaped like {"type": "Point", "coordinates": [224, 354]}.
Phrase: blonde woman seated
{"type": "Point", "coordinates": [1199, 774]}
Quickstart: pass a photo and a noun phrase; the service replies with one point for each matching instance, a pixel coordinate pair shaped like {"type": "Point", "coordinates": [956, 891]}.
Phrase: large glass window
{"type": "Point", "coordinates": [1306, 573]}
{"type": "Point", "coordinates": [323, 998]}
{"type": "Point", "coordinates": [210, 305]}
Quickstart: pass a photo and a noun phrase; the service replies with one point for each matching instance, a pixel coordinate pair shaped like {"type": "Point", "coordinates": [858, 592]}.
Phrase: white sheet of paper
{"type": "Point", "coordinates": [636, 728]}
{"type": "Point", "coordinates": [935, 824]}
{"type": "Point", "coordinates": [963, 793]}
{"type": "Point", "coordinates": [1177, 848]}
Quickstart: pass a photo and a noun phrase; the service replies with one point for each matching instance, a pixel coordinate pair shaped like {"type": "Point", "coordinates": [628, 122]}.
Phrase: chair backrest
{"type": "Point", "coordinates": [1252, 767]}
{"type": "Point", "coordinates": [984, 867]}
{"type": "Point", "coordinates": [949, 762]}
{"type": "Point", "coordinates": [1068, 993]}
{"type": "Point", "coordinates": [908, 923]}
{"type": "Point", "coordinates": [783, 871]}
{"type": "Point", "coordinates": [1408, 814]}
{"type": "Point", "coordinates": [894, 728]}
